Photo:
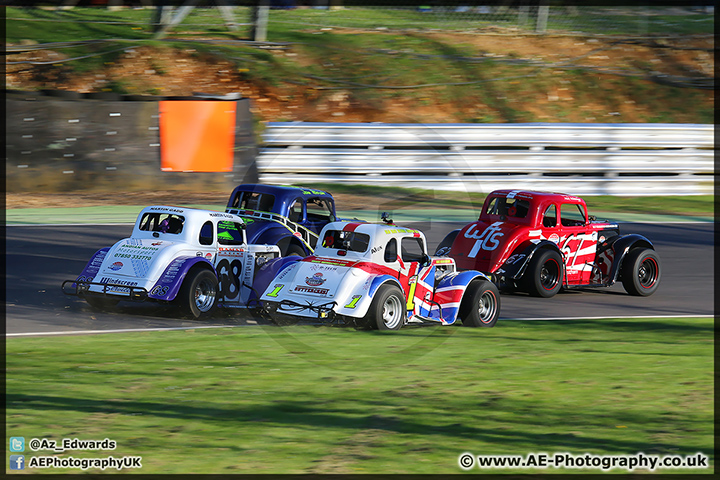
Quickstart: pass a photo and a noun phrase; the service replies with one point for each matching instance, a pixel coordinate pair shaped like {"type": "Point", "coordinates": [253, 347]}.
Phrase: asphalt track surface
{"type": "Point", "coordinates": [39, 258]}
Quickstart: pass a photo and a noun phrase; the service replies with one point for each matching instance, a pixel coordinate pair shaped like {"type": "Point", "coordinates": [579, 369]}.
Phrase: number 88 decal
{"type": "Point", "coordinates": [229, 278]}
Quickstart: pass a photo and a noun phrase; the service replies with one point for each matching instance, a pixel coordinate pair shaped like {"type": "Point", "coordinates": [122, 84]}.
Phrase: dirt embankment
{"type": "Point", "coordinates": [168, 71]}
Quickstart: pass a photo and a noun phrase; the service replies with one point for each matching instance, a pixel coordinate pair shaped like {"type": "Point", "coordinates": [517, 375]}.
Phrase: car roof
{"type": "Point", "coordinates": [375, 230]}
{"type": "Point", "coordinates": [192, 214]}
{"type": "Point", "coordinates": [537, 194]}
{"type": "Point", "coordinates": [280, 190]}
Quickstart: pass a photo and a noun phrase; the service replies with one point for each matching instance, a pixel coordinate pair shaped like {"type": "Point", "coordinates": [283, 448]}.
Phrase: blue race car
{"type": "Point", "coordinates": [289, 217]}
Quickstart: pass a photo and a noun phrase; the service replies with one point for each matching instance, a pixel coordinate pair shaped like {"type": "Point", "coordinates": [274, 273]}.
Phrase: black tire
{"type": "Point", "coordinates": [446, 243]}
{"type": "Point", "coordinates": [641, 272]}
{"type": "Point", "coordinates": [480, 306]}
{"type": "Point", "coordinates": [387, 310]}
{"type": "Point", "coordinates": [543, 278]}
{"type": "Point", "coordinates": [101, 303]}
{"type": "Point", "coordinates": [293, 249]}
{"type": "Point", "coordinates": [197, 297]}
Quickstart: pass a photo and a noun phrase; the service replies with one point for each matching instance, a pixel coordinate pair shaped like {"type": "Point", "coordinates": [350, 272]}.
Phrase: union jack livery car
{"type": "Point", "coordinates": [540, 242]}
{"type": "Point", "coordinates": [197, 259]}
{"type": "Point", "coordinates": [378, 276]}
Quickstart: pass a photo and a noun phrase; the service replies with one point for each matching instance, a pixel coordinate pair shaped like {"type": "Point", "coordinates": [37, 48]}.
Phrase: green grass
{"type": "Point", "coordinates": [334, 400]}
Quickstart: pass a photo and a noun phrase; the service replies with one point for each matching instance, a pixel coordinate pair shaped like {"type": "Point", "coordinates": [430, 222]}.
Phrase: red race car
{"type": "Point", "coordinates": [540, 242]}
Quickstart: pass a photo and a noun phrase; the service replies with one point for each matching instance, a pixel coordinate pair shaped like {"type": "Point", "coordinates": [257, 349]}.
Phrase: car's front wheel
{"type": "Point", "coordinates": [481, 304]}
{"type": "Point", "coordinates": [641, 272]}
{"type": "Point", "coordinates": [198, 295]}
{"type": "Point", "coordinates": [387, 310]}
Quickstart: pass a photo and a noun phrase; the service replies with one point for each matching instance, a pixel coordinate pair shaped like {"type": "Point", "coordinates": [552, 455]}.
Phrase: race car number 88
{"type": "Point", "coordinates": [229, 277]}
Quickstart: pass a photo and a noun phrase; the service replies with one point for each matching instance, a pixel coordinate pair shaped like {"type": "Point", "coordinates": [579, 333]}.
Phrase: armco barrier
{"type": "Point", "coordinates": [584, 159]}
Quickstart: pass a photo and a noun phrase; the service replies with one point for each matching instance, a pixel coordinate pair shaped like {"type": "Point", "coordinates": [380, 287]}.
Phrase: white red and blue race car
{"type": "Point", "coordinates": [377, 276]}
{"type": "Point", "coordinates": [197, 259]}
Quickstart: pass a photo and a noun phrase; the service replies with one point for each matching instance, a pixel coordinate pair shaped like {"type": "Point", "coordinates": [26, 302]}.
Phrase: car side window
{"type": "Point", "coordinates": [295, 212]}
{"type": "Point", "coordinates": [412, 249]}
{"type": "Point", "coordinates": [206, 233]}
{"type": "Point", "coordinates": [391, 251]}
{"type": "Point", "coordinates": [572, 215]}
{"type": "Point", "coordinates": [319, 210]}
{"type": "Point", "coordinates": [550, 217]}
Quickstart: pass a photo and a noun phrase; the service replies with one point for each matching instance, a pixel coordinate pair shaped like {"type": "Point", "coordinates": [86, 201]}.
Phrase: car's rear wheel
{"type": "Point", "coordinates": [543, 277]}
{"type": "Point", "coordinates": [481, 304]}
{"type": "Point", "coordinates": [293, 249]}
{"type": "Point", "coordinates": [198, 295]}
{"type": "Point", "coordinates": [641, 272]}
{"type": "Point", "coordinates": [387, 310]}
{"type": "Point", "coordinates": [101, 303]}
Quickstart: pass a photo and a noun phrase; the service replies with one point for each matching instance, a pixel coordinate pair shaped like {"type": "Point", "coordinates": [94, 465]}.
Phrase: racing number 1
{"type": "Point", "coordinates": [411, 293]}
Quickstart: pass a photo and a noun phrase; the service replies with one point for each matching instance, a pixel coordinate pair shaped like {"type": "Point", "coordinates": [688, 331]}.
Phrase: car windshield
{"type": "Point", "coordinates": [342, 240]}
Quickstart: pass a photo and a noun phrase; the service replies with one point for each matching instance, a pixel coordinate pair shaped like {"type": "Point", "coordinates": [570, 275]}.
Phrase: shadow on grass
{"type": "Point", "coordinates": [295, 414]}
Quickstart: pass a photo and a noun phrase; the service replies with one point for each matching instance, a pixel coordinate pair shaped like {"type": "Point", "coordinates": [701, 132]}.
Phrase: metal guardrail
{"type": "Point", "coordinates": [583, 159]}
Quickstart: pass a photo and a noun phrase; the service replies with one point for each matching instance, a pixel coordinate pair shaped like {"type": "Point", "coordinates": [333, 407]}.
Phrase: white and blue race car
{"type": "Point", "coordinates": [377, 276]}
{"type": "Point", "coordinates": [197, 259]}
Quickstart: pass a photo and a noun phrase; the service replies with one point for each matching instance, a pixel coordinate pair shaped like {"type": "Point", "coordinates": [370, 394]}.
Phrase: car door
{"type": "Point", "coordinates": [578, 243]}
{"type": "Point", "coordinates": [230, 263]}
{"type": "Point", "coordinates": [420, 276]}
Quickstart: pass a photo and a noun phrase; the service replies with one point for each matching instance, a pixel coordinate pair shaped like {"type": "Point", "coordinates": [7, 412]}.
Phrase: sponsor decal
{"type": "Point", "coordinates": [208, 256]}
{"type": "Point", "coordinates": [402, 230]}
{"type": "Point", "coordinates": [116, 266]}
{"type": "Point", "coordinates": [155, 244]}
{"type": "Point", "coordinates": [316, 280]}
{"type": "Point", "coordinates": [304, 289]}
{"type": "Point", "coordinates": [442, 261]}
{"type": "Point", "coordinates": [232, 252]}
{"type": "Point", "coordinates": [297, 234]}
{"type": "Point", "coordinates": [555, 238]}
{"type": "Point", "coordinates": [376, 249]}
{"type": "Point", "coordinates": [488, 240]}
{"type": "Point", "coordinates": [166, 209]}
{"type": "Point", "coordinates": [315, 267]}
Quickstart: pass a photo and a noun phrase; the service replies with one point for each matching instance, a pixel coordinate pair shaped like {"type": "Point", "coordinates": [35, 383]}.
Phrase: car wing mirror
{"type": "Point", "coordinates": [425, 260]}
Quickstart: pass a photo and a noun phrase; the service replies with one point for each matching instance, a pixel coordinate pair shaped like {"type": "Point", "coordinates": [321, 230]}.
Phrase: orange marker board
{"type": "Point", "coordinates": [197, 136]}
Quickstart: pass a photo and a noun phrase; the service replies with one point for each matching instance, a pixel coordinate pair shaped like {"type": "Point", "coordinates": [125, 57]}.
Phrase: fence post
{"type": "Point", "coordinates": [543, 12]}
{"type": "Point", "coordinates": [260, 20]}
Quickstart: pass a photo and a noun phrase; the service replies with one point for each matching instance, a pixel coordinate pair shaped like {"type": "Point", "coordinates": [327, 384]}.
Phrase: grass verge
{"type": "Point", "coordinates": [334, 400]}
{"type": "Point", "coordinates": [398, 197]}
